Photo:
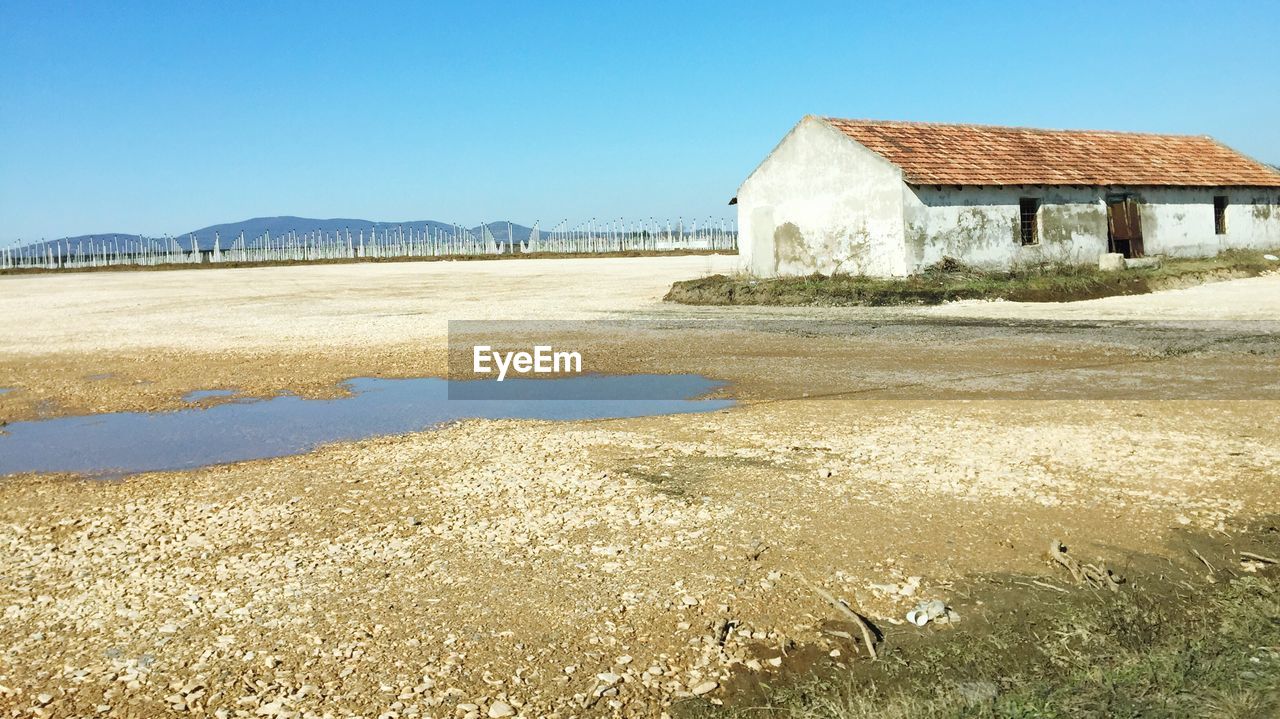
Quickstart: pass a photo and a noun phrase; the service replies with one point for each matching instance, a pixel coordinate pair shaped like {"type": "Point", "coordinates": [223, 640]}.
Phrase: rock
{"type": "Point", "coordinates": [910, 586]}
{"type": "Point", "coordinates": [1142, 263]}
{"type": "Point", "coordinates": [500, 709]}
{"type": "Point", "coordinates": [689, 601]}
{"type": "Point", "coordinates": [826, 472]}
{"type": "Point", "coordinates": [704, 688]}
{"type": "Point", "coordinates": [169, 629]}
{"type": "Point", "coordinates": [977, 692]}
{"type": "Point", "coordinates": [1110, 261]}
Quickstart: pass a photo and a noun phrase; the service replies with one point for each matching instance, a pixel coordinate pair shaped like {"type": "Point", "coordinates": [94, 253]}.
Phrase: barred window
{"type": "Point", "coordinates": [1029, 214]}
{"type": "Point", "coordinates": [1220, 214]}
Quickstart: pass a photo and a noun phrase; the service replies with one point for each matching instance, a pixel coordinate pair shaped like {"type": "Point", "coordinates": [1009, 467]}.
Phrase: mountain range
{"type": "Point", "coordinates": [277, 226]}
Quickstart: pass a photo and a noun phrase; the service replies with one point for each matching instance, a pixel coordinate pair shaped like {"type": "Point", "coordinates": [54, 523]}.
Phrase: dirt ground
{"type": "Point", "coordinates": [498, 568]}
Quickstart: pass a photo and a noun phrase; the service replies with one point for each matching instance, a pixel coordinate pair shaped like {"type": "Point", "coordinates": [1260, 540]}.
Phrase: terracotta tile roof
{"type": "Point", "coordinates": [936, 154]}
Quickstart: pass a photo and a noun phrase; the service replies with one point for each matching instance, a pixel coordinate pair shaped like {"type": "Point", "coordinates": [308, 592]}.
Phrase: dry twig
{"type": "Point", "coordinates": [851, 615]}
{"type": "Point", "coordinates": [1202, 559]}
{"type": "Point", "coordinates": [1091, 574]}
{"type": "Point", "coordinates": [1259, 558]}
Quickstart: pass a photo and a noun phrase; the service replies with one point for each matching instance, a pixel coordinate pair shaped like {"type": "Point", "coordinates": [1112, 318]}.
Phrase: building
{"type": "Point", "coordinates": [893, 198]}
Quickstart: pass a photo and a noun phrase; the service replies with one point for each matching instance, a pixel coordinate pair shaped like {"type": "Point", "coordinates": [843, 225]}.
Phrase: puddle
{"type": "Point", "coordinates": [120, 443]}
{"type": "Point", "coordinates": [202, 394]}
{"type": "Point", "coordinates": [5, 390]}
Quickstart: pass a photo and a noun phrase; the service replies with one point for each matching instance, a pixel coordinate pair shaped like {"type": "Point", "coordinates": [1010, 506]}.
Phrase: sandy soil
{"type": "Point", "coordinates": [1255, 298]}
{"type": "Point", "coordinates": [584, 568]}
{"type": "Point", "coordinates": [321, 307]}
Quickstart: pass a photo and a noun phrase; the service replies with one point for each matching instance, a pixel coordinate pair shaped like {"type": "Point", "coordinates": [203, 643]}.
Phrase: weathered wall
{"type": "Point", "coordinates": [1179, 221]}
{"type": "Point", "coordinates": [980, 225]}
{"type": "Point", "coordinates": [821, 203]}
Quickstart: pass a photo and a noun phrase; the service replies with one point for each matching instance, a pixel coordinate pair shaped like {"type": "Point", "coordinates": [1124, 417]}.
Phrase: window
{"type": "Point", "coordinates": [1029, 224]}
{"type": "Point", "coordinates": [1220, 214]}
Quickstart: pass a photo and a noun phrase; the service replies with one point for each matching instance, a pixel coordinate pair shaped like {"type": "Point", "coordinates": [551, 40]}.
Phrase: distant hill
{"type": "Point", "coordinates": [256, 227]}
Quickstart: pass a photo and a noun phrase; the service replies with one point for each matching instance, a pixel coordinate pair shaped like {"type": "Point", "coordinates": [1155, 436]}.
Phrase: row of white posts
{"type": "Point", "coordinates": [386, 242]}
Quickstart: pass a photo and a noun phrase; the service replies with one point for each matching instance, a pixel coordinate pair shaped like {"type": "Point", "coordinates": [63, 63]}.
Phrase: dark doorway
{"type": "Point", "coordinates": [1124, 226]}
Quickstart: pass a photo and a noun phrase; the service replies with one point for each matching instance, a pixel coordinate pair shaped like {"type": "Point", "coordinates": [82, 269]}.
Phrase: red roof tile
{"type": "Point", "coordinates": [937, 154]}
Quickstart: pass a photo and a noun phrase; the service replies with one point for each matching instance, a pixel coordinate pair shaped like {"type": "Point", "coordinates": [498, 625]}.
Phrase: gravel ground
{"type": "Point", "coordinates": [494, 569]}
{"type": "Point", "coordinates": [318, 307]}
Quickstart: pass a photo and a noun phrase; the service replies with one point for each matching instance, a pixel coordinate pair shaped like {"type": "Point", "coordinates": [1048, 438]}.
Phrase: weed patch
{"type": "Point", "coordinates": [950, 281]}
{"type": "Point", "coordinates": [1135, 654]}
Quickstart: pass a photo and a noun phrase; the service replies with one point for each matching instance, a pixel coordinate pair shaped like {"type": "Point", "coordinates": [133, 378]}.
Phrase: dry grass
{"type": "Point", "coordinates": [1132, 655]}
{"type": "Point", "coordinates": [951, 281]}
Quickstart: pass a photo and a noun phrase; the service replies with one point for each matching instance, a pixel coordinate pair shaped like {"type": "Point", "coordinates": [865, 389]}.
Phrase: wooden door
{"type": "Point", "coordinates": [1124, 225]}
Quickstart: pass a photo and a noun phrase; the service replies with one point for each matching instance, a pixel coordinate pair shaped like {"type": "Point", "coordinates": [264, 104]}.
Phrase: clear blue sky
{"type": "Point", "coordinates": [165, 117]}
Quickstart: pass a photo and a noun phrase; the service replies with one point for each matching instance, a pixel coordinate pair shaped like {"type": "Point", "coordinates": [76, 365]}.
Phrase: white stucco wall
{"type": "Point", "coordinates": [1179, 221]}
{"type": "Point", "coordinates": [821, 203]}
{"type": "Point", "coordinates": [979, 225]}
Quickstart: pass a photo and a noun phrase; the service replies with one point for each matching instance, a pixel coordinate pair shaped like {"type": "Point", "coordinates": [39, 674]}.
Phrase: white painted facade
{"type": "Point", "coordinates": [822, 202]}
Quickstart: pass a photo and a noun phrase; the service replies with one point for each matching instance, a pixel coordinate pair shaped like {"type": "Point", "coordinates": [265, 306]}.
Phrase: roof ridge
{"type": "Point", "coordinates": [1017, 128]}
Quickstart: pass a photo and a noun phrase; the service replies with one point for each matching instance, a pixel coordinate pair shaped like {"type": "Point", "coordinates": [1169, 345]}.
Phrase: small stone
{"type": "Point", "coordinates": [43, 699]}
{"type": "Point", "coordinates": [704, 688]}
{"type": "Point", "coordinates": [500, 709]}
{"type": "Point", "coordinates": [825, 472]}
{"type": "Point", "coordinates": [623, 660]}
{"type": "Point", "coordinates": [689, 601]}
{"type": "Point", "coordinates": [977, 692]}
{"type": "Point", "coordinates": [169, 629]}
